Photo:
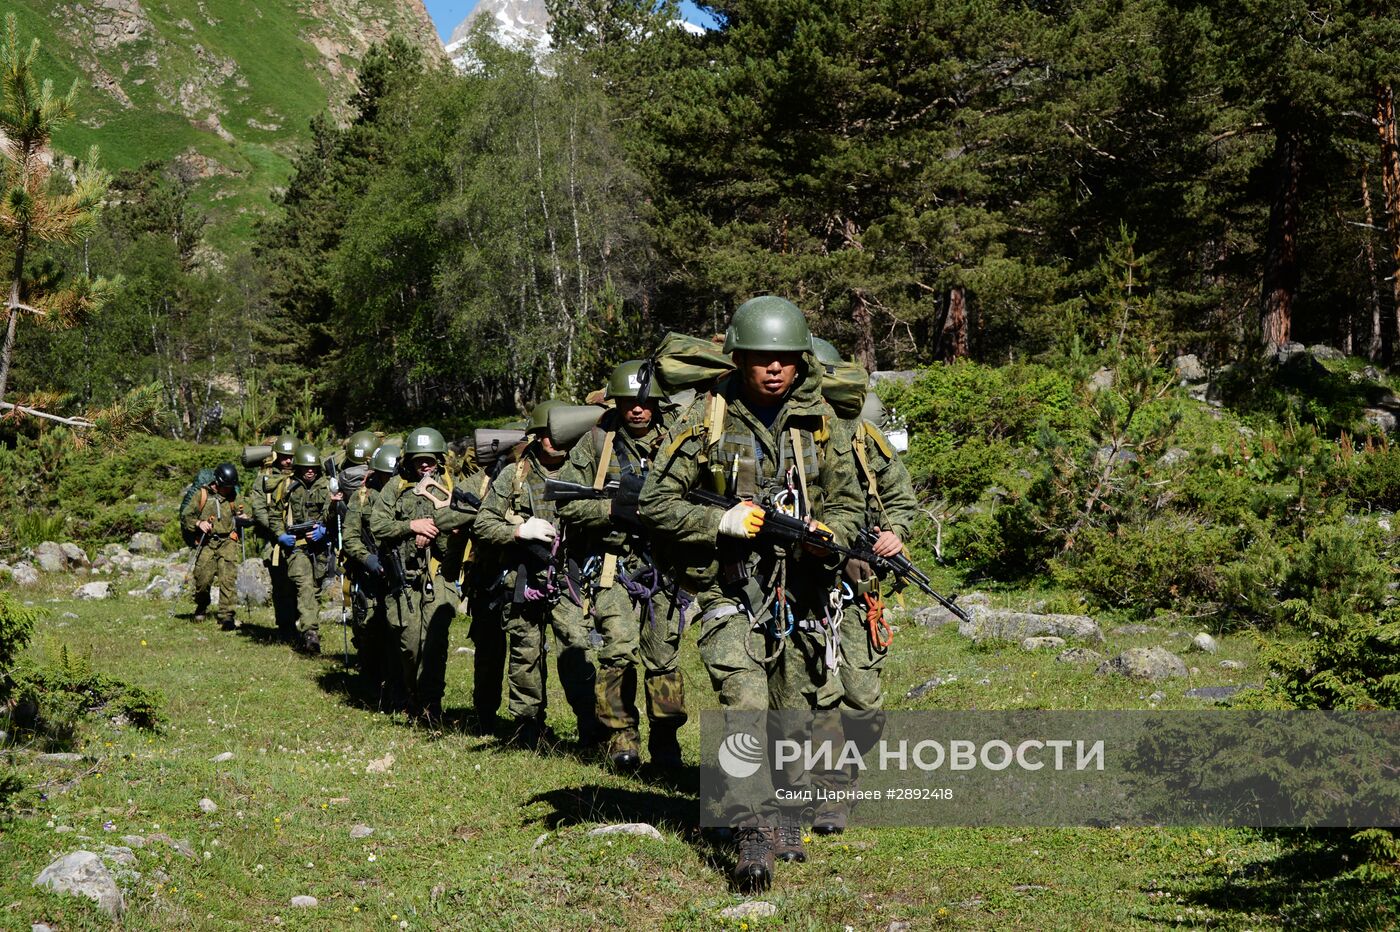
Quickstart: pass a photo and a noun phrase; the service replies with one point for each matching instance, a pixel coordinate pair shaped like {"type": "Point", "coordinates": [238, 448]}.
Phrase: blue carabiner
{"type": "Point", "coordinates": [781, 610]}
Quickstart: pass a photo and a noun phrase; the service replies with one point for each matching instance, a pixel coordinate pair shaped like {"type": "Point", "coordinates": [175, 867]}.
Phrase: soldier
{"type": "Point", "coordinates": [420, 526]}
{"type": "Point", "coordinates": [211, 517]}
{"type": "Point", "coordinates": [487, 632]}
{"type": "Point", "coordinates": [763, 437]}
{"type": "Point", "coordinates": [890, 510]}
{"type": "Point", "coordinates": [267, 499]}
{"type": "Point", "coordinates": [534, 588]}
{"type": "Point", "coordinates": [633, 607]}
{"type": "Point", "coordinates": [303, 526]}
{"type": "Point", "coordinates": [376, 651]}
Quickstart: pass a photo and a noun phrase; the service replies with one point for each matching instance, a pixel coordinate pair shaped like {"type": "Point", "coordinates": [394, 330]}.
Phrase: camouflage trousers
{"type": "Point", "coordinates": [525, 625]}
{"type": "Point", "coordinates": [217, 562]}
{"type": "Point", "coordinates": [305, 574]}
{"type": "Point", "coordinates": [376, 644]}
{"type": "Point", "coordinates": [422, 620]}
{"type": "Point", "coordinates": [284, 596]}
{"type": "Point", "coordinates": [631, 640]}
{"type": "Point", "coordinates": [488, 636]}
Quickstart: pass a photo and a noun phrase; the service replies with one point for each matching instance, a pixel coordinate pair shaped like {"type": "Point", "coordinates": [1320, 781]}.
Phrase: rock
{"type": "Point", "coordinates": [923, 688]}
{"type": "Point", "coordinates": [253, 584]}
{"type": "Point", "coordinates": [1370, 374]}
{"type": "Point", "coordinates": [61, 758]}
{"type": "Point", "coordinates": [1004, 625]}
{"type": "Point", "coordinates": [94, 591]}
{"type": "Point", "coordinates": [1380, 418]}
{"type": "Point", "coordinates": [143, 565]}
{"type": "Point", "coordinates": [753, 909]}
{"type": "Point", "coordinates": [1101, 380]}
{"type": "Point", "coordinates": [1042, 643]}
{"type": "Point", "coordinates": [74, 554]}
{"type": "Point", "coordinates": [1145, 663]}
{"type": "Point", "coordinates": [181, 847]}
{"type": "Point", "coordinates": [1132, 630]}
{"type": "Point", "coordinates": [1232, 664]}
{"type": "Point", "coordinates": [935, 616]}
{"type": "Point", "coordinates": [144, 542]}
{"type": "Point", "coordinates": [119, 854]}
{"type": "Point", "coordinates": [82, 873]}
{"type": "Point", "coordinates": [208, 806]}
{"type": "Point", "coordinates": [361, 831]}
{"type": "Point", "coordinates": [1158, 696]}
{"type": "Point", "coordinates": [1286, 351]}
{"type": "Point", "coordinates": [40, 927]}
{"type": "Point", "coordinates": [1188, 368]}
{"type": "Point", "coordinates": [1205, 643]}
{"type": "Point", "coordinates": [381, 765]}
{"type": "Point", "coordinates": [133, 841]}
{"type": "Point", "coordinates": [1173, 456]}
{"type": "Point", "coordinates": [1322, 351]}
{"type": "Point", "coordinates": [1213, 693]}
{"type": "Point", "coordinates": [330, 615]}
{"type": "Point", "coordinates": [24, 575]}
{"type": "Point", "coordinates": [221, 758]}
{"type": "Point", "coordinates": [49, 557]}
{"type": "Point", "coordinates": [1079, 655]}
{"type": "Point", "coordinates": [644, 829]}
{"type": "Point", "coordinates": [305, 902]}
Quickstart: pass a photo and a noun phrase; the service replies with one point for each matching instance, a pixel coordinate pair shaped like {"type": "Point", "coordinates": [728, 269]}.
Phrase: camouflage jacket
{"type": "Point", "coordinates": [890, 502]}
{"type": "Point", "coordinates": [398, 504]}
{"type": "Point", "coordinates": [515, 495]}
{"type": "Point", "coordinates": [598, 531]}
{"type": "Point", "coordinates": [208, 505]}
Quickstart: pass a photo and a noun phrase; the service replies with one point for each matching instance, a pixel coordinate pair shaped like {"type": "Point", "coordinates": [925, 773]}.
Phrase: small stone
{"type": "Point", "coordinates": [1232, 664]}
{"type": "Point", "coordinates": [1100, 380]}
{"type": "Point", "coordinates": [925, 687]}
{"type": "Point", "coordinates": [82, 873]}
{"type": "Point", "coordinates": [221, 758]}
{"type": "Point", "coordinates": [94, 591]}
{"type": "Point", "coordinates": [61, 758]}
{"type": "Point", "coordinates": [753, 909]}
{"type": "Point", "coordinates": [120, 854]}
{"type": "Point", "coordinates": [40, 927]}
{"type": "Point", "coordinates": [207, 806]}
{"type": "Point", "coordinates": [1158, 696]}
{"type": "Point", "coordinates": [539, 842]}
{"type": "Point", "coordinates": [465, 650]}
{"type": "Point", "coordinates": [1174, 456]}
{"type": "Point", "coordinates": [133, 841]}
{"type": "Point", "coordinates": [1042, 643]}
{"type": "Point", "coordinates": [1079, 655]}
{"type": "Point", "coordinates": [361, 831]}
{"type": "Point", "coordinates": [628, 828]}
{"type": "Point", "coordinates": [181, 847]}
{"type": "Point", "coordinates": [305, 902]}
{"type": "Point", "coordinates": [1205, 643]}
{"type": "Point", "coordinates": [381, 765]}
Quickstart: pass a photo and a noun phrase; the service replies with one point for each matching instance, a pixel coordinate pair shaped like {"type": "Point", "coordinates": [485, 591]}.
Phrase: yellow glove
{"type": "Point", "coordinates": [743, 520]}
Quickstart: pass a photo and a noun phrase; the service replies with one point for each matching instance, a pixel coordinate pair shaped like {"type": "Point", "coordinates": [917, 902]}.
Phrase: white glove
{"type": "Point", "coordinates": [536, 529]}
{"type": "Point", "coordinates": [742, 520]}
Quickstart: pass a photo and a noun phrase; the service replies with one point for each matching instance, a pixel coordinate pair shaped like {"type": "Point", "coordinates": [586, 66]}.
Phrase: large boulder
{"type": "Point", "coordinates": [144, 542]}
{"type": "Point", "coordinates": [1188, 369]}
{"type": "Point", "coordinates": [94, 591]}
{"type": "Point", "coordinates": [254, 585]}
{"type": "Point", "coordinates": [1145, 663]}
{"type": "Point", "coordinates": [49, 557]}
{"type": "Point", "coordinates": [75, 555]}
{"type": "Point", "coordinates": [24, 575]}
{"type": "Point", "coordinates": [82, 873]}
{"type": "Point", "coordinates": [1003, 625]}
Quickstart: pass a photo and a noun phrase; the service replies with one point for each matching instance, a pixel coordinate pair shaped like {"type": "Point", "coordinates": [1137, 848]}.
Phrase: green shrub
{"type": "Point", "coordinates": [16, 628]}
{"type": "Point", "coordinates": [1370, 479]}
{"type": "Point", "coordinates": [67, 689]}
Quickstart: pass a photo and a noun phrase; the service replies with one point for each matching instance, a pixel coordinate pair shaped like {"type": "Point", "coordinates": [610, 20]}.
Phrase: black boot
{"type": "Point", "coordinates": [788, 840]}
{"type": "Point", "coordinates": [753, 869]}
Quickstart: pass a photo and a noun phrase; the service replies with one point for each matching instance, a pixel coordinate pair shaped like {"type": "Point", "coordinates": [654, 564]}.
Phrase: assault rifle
{"type": "Point", "coordinates": [624, 495]}
{"type": "Point", "coordinates": [904, 570]}
{"type": "Point", "coordinates": [781, 529]}
{"type": "Point", "coordinates": [557, 490]}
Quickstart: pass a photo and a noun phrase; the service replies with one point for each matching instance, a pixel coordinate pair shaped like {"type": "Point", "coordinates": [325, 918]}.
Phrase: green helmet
{"type": "Point", "coordinates": [360, 447]}
{"type": "Point", "coordinates": [539, 417]}
{"type": "Point", "coordinates": [385, 459]}
{"type": "Point", "coordinates": [826, 352]}
{"type": "Point", "coordinates": [626, 382]}
{"type": "Point", "coordinates": [424, 441]}
{"type": "Point", "coordinates": [306, 455]}
{"type": "Point", "coordinates": [768, 322]}
{"type": "Point", "coordinates": [286, 445]}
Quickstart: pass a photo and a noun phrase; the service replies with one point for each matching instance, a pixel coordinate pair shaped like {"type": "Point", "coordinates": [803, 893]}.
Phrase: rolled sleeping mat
{"type": "Point", "coordinates": [568, 423]}
{"type": "Point", "coordinates": [256, 456]}
{"type": "Point", "coordinates": [493, 443]}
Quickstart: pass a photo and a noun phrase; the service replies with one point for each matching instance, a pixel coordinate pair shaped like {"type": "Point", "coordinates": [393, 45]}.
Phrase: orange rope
{"type": "Point", "coordinates": [881, 634]}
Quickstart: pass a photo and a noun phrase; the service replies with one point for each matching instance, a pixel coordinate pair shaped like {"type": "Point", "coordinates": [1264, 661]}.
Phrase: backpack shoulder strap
{"type": "Point", "coordinates": [600, 476]}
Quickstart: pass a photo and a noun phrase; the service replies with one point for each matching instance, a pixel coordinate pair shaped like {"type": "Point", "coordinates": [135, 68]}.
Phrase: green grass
{"type": "Point", "coordinates": [468, 834]}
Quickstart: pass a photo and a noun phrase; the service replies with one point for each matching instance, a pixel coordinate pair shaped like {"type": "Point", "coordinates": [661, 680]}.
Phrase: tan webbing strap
{"type": "Point", "coordinates": [872, 487]}
{"type": "Point", "coordinates": [469, 552]}
{"type": "Point", "coordinates": [600, 478]}
{"type": "Point", "coordinates": [714, 435]}
{"type": "Point", "coordinates": [801, 462]}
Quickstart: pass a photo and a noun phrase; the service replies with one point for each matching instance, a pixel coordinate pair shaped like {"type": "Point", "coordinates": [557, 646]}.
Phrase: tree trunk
{"type": "Point", "coordinates": [1368, 252]}
{"type": "Point", "coordinates": [865, 330]}
{"type": "Point", "coordinates": [1390, 187]}
{"type": "Point", "coordinates": [16, 299]}
{"type": "Point", "coordinates": [1281, 251]}
{"type": "Point", "coordinates": [954, 339]}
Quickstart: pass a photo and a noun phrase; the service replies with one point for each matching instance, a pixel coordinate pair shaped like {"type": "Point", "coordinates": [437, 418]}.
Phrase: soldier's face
{"type": "Point", "coordinates": [638, 416]}
{"type": "Point", "coordinates": [768, 376]}
{"type": "Point", "coordinates": [424, 465]}
{"type": "Point", "coordinates": [548, 448]}
{"type": "Point", "coordinates": [308, 474]}
{"type": "Point", "coordinates": [284, 461]}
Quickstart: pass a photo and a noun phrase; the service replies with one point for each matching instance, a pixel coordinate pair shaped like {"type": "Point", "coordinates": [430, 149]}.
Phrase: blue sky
{"type": "Point", "coordinates": [447, 14]}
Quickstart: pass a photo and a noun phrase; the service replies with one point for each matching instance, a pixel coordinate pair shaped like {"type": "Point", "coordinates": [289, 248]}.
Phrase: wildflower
{"type": "Point", "coordinates": [372, 859]}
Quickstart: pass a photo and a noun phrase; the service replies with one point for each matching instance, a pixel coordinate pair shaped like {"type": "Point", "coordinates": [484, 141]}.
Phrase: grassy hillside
{"type": "Point", "coordinates": [227, 87]}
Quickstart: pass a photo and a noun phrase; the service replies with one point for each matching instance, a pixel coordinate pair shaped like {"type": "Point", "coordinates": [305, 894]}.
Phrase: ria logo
{"type": "Point", "coordinates": [740, 755]}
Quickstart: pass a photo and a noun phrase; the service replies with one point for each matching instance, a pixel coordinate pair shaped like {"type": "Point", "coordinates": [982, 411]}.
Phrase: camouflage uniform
{"type": "Point", "coordinates": [267, 499]}
{"type": "Point", "coordinates": [307, 562]}
{"type": "Point", "coordinates": [487, 633]}
{"type": "Point", "coordinates": [515, 495]}
{"type": "Point", "coordinates": [422, 603]}
{"type": "Point", "coordinates": [633, 608]}
{"type": "Point", "coordinates": [216, 558]}
{"type": "Point", "coordinates": [376, 649]}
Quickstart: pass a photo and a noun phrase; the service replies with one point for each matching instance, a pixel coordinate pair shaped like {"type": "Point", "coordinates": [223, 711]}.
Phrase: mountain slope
{"type": "Point", "coordinates": [225, 87]}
